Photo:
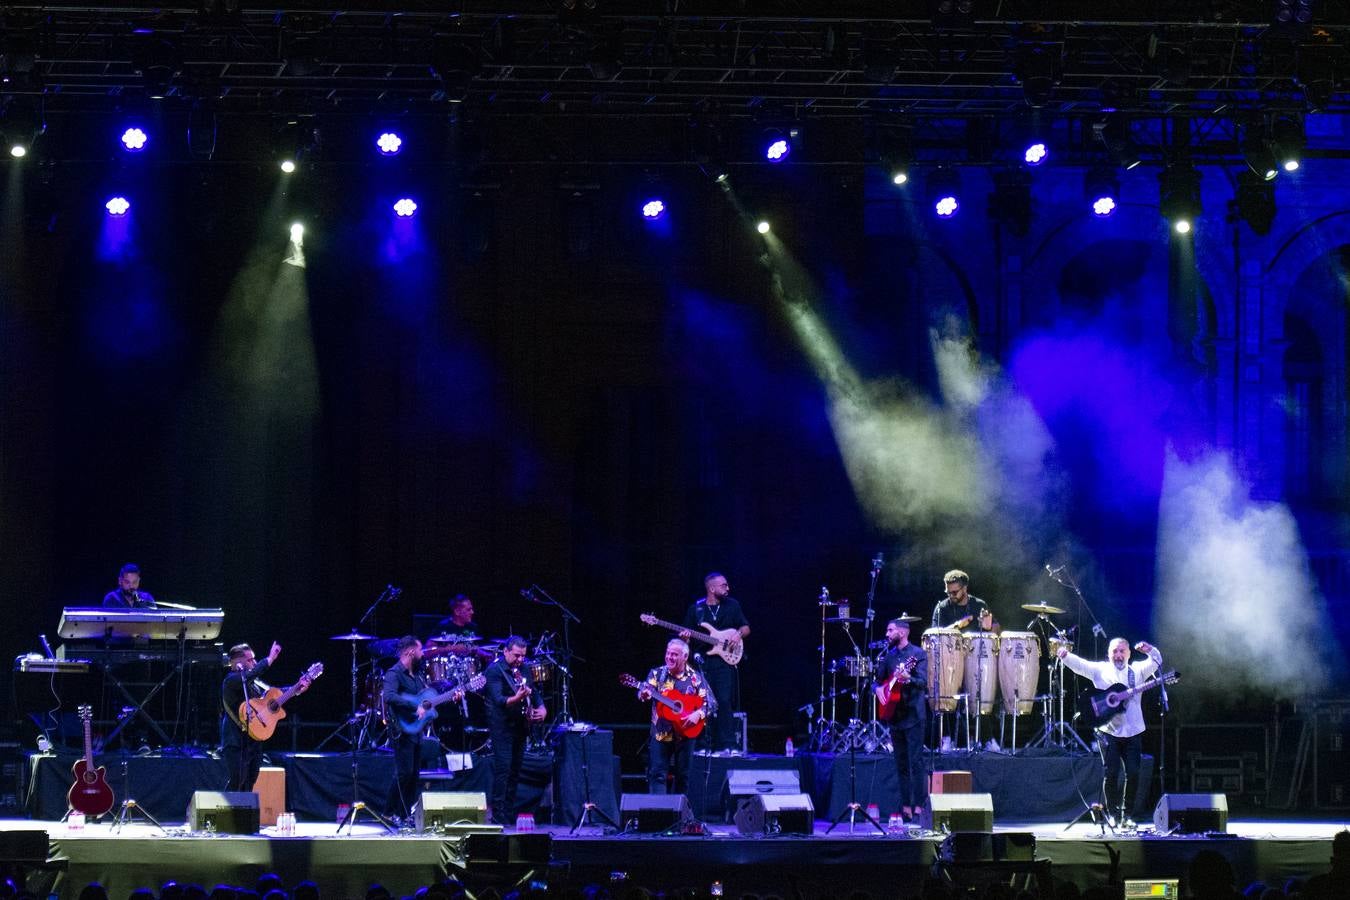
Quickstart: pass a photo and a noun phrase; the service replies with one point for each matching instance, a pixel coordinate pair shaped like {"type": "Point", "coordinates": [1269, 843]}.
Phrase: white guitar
{"type": "Point", "coordinates": [726, 643]}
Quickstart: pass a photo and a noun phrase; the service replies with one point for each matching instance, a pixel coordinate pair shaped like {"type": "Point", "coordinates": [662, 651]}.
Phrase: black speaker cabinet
{"type": "Point", "coordinates": [654, 812]}
{"type": "Point", "coordinates": [1191, 813]}
{"type": "Point", "coordinates": [225, 812]}
{"type": "Point", "coordinates": [960, 812]}
{"type": "Point", "coordinates": [441, 809]}
{"type": "Point", "coordinates": [776, 814]}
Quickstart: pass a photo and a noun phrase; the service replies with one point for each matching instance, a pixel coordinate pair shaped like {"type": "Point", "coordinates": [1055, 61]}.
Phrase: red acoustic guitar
{"type": "Point", "coordinates": [90, 793]}
{"type": "Point", "coordinates": [672, 706]}
{"type": "Point", "coordinates": [895, 690]}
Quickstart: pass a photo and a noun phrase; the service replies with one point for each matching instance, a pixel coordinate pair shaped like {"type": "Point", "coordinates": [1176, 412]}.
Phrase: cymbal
{"type": "Point", "coordinates": [456, 639]}
{"type": "Point", "coordinates": [908, 618]}
{"type": "Point", "coordinates": [1044, 609]}
{"type": "Point", "coordinates": [352, 635]}
{"type": "Point", "coordinates": [846, 619]}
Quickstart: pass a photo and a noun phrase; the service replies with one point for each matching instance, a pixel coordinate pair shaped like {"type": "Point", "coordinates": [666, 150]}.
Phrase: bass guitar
{"type": "Point", "coordinates": [263, 713]}
{"type": "Point", "coordinates": [90, 793]}
{"type": "Point", "coordinates": [895, 688]}
{"type": "Point", "coordinates": [725, 643]}
{"type": "Point", "coordinates": [430, 699]}
{"type": "Point", "coordinates": [1096, 708]}
{"type": "Point", "coordinates": [672, 706]}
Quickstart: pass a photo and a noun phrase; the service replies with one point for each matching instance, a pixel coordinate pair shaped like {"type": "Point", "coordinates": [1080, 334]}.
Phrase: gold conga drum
{"type": "Point", "coordinates": [946, 666]}
{"type": "Point", "coordinates": [981, 670]}
{"type": "Point", "coordinates": [1019, 669]}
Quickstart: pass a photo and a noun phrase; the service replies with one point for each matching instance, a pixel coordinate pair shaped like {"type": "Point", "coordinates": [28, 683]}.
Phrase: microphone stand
{"type": "Point", "coordinates": [535, 594]}
{"type": "Point", "coordinates": [1164, 707]}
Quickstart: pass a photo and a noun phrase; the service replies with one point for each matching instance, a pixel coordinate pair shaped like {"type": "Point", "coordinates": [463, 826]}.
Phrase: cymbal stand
{"type": "Point", "coordinates": [130, 809]}
{"type": "Point", "coordinates": [821, 727]}
{"type": "Point", "coordinates": [357, 806]}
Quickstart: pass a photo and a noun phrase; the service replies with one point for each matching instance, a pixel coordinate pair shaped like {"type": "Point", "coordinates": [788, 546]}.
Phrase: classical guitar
{"type": "Point", "coordinates": [430, 699]}
{"type": "Point", "coordinates": [90, 793]}
{"type": "Point", "coordinates": [895, 690]}
{"type": "Point", "coordinates": [726, 642]}
{"type": "Point", "coordinates": [1096, 708]}
{"type": "Point", "coordinates": [672, 706]}
{"type": "Point", "coordinates": [263, 713]}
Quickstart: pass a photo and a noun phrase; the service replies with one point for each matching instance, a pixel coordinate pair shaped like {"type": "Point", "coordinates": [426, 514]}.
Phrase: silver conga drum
{"type": "Point", "coordinates": [981, 670]}
{"type": "Point", "coordinates": [946, 666]}
{"type": "Point", "coordinates": [1019, 669]}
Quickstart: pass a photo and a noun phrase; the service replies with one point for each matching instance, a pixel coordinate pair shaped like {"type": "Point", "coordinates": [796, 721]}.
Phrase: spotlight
{"type": "Point", "coordinates": [18, 151]}
{"type": "Point", "coordinates": [899, 176]}
{"type": "Point", "coordinates": [1039, 68]}
{"type": "Point", "coordinates": [1035, 154]}
{"type": "Point", "coordinates": [1180, 198]}
{"type": "Point", "coordinates": [946, 206]}
{"type": "Point", "coordinates": [1287, 140]}
{"type": "Point", "coordinates": [1257, 153]}
{"type": "Point", "coordinates": [777, 150]}
{"type": "Point", "coordinates": [389, 143]}
{"type": "Point", "coordinates": [1114, 133]}
{"type": "Point", "coordinates": [117, 206]}
{"type": "Point", "coordinates": [779, 143]}
{"type": "Point", "coordinates": [1101, 188]}
{"type": "Point", "coordinates": [288, 166]}
{"type": "Point", "coordinates": [133, 139]}
{"type": "Point", "coordinates": [405, 207]}
{"type": "Point", "coordinates": [297, 233]}
{"type": "Point", "coordinates": [1255, 201]}
{"type": "Point", "coordinates": [294, 139]}
{"type": "Point", "coordinates": [653, 209]}
{"type": "Point", "coordinates": [944, 188]}
{"type": "Point", "coordinates": [762, 227]}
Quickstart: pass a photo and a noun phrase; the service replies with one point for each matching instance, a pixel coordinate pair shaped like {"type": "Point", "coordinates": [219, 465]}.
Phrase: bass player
{"type": "Point", "coordinates": [722, 612]}
{"type": "Point", "coordinates": [1120, 740]}
{"type": "Point", "coordinates": [667, 749]}
{"type": "Point", "coordinates": [902, 679]}
{"type": "Point", "coordinates": [242, 754]}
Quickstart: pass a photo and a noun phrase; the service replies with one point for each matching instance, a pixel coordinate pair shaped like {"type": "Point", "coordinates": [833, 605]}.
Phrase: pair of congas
{"type": "Point", "coordinates": [978, 665]}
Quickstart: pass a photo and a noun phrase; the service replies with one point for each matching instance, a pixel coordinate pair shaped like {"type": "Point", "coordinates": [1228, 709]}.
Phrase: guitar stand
{"type": "Point", "coordinates": [854, 808]}
{"type": "Point", "coordinates": [355, 811]}
{"type": "Point", "coordinates": [128, 814]}
{"type": "Point", "coordinates": [588, 808]}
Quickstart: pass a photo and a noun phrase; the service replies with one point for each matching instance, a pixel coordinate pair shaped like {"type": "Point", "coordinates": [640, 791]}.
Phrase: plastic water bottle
{"type": "Point", "coordinates": [788, 749]}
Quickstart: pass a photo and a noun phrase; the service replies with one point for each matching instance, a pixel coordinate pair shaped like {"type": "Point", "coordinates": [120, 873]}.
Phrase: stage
{"type": "Point", "coordinates": [811, 866]}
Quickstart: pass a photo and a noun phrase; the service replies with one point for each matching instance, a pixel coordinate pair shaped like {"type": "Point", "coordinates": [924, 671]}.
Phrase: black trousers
{"type": "Point", "coordinates": [508, 753]}
{"type": "Point", "coordinates": [407, 766]}
{"type": "Point", "coordinates": [910, 770]}
{"type": "Point", "coordinates": [676, 754]}
{"type": "Point", "coordinates": [1117, 753]}
{"type": "Point", "coordinates": [242, 757]}
{"type": "Point", "coordinates": [722, 681]}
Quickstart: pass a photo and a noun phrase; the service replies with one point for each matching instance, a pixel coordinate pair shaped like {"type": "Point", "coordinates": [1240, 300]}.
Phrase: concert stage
{"type": "Point", "coordinates": [819, 865]}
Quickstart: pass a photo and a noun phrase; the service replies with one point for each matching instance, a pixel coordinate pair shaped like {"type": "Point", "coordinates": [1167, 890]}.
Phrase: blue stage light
{"type": "Point", "coordinates": [1035, 154]}
{"type": "Point", "coordinates": [1103, 206]}
{"type": "Point", "coordinates": [405, 207]}
{"type": "Point", "coordinates": [946, 206]}
{"type": "Point", "coordinates": [777, 150]}
{"type": "Point", "coordinates": [117, 206]}
{"type": "Point", "coordinates": [134, 139]}
{"type": "Point", "coordinates": [653, 209]}
{"type": "Point", "coordinates": [389, 143]}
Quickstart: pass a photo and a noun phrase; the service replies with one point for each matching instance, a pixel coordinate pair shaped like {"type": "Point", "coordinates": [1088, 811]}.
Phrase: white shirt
{"type": "Point", "coordinates": [1130, 720]}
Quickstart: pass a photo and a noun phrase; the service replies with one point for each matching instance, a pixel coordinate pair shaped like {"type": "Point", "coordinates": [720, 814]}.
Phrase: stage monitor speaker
{"type": "Point", "coordinates": [745, 782]}
{"type": "Point", "coordinates": [960, 812]}
{"type": "Point", "coordinates": [1191, 813]}
{"type": "Point", "coordinates": [224, 812]}
{"type": "Point", "coordinates": [776, 814]}
{"type": "Point", "coordinates": [442, 809]}
{"type": "Point", "coordinates": [654, 812]}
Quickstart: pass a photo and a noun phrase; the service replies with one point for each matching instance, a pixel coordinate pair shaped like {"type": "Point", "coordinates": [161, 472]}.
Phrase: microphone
{"type": "Point", "coordinates": [824, 594]}
{"type": "Point", "coordinates": [876, 562]}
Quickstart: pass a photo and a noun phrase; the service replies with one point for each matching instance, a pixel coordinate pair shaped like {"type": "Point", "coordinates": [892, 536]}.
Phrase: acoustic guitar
{"type": "Point", "coordinates": [430, 699]}
{"type": "Point", "coordinates": [725, 642]}
{"type": "Point", "coordinates": [263, 713]}
{"type": "Point", "coordinates": [90, 794]}
{"type": "Point", "coordinates": [895, 690]}
{"type": "Point", "coordinates": [672, 706]}
{"type": "Point", "coordinates": [1096, 708]}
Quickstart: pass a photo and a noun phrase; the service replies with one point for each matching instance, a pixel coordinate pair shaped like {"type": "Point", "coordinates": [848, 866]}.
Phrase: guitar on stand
{"type": "Point", "coordinates": [90, 794]}
{"type": "Point", "coordinates": [725, 643]}
{"type": "Point", "coordinates": [672, 706]}
{"type": "Point", "coordinates": [263, 713]}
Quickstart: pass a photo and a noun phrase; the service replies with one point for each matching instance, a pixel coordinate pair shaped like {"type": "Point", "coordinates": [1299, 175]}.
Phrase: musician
{"type": "Point", "coordinates": [512, 706]}
{"type": "Point", "coordinates": [460, 622]}
{"type": "Point", "coordinates": [667, 750]}
{"type": "Point", "coordinates": [960, 609]}
{"type": "Point", "coordinates": [1120, 740]}
{"type": "Point", "coordinates": [908, 722]}
{"type": "Point", "coordinates": [129, 594]}
{"type": "Point", "coordinates": [403, 685]}
{"type": "Point", "coordinates": [241, 753]}
{"type": "Point", "coordinates": [722, 611]}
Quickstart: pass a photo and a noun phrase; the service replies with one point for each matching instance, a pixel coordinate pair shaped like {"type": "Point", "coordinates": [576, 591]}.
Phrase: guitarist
{"type": "Point", "coordinates": [719, 609]}
{"type": "Point", "coordinates": [402, 683]}
{"type": "Point", "coordinates": [1120, 740]}
{"type": "Point", "coordinates": [242, 754]}
{"type": "Point", "coordinates": [903, 670]}
{"type": "Point", "coordinates": [667, 749]}
{"type": "Point", "coordinates": [513, 706]}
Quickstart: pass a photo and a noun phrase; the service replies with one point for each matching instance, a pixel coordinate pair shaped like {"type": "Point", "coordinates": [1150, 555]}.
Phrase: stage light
{"type": "Point", "coordinates": [653, 209]}
{"type": "Point", "coordinates": [1257, 153]}
{"type": "Point", "coordinates": [777, 150]}
{"type": "Point", "coordinates": [1101, 187]}
{"type": "Point", "coordinates": [133, 139]}
{"type": "Point", "coordinates": [297, 233]}
{"type": "Point", "coordinates": [1103, 206]}
{"type": "Point", "coordinates": [1287, 141]}
{"type": "Point", "coordinates": [293, 140]}
{"type": "Point", "coordinates": [899, 177]}
{"type": "Point", "coordinates": [1255, 201]}
{"type": "Point", "coordinates": [117, 206]}
{"type": "Point", "coordinates": [1035, 154]}
{"type": "Point", "coordinates": [1114, 133]}
{"type": "Point", "coordinates": [946, 206]}
{"type": "Point", "coordinates": [944, 190]}
{"type": "Point", "coordinates": [1182, 226]}
{"type": "Point", "coordinates": [389, 143]}
{"type": "Point", "coordinates": [1180, 195]}
{"type": "Point", "coordinates": [18, 151]}
{"type": "Point", "coordinates": [762, 227]}
{"type": "Point", "coordinates": [405, 207]}
{"type": "Point", "coordinates": [288, 166]}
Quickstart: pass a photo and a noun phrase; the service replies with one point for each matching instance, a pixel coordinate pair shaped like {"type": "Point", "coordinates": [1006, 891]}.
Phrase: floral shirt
{"type": "Point", "coordinates": [661, 680]}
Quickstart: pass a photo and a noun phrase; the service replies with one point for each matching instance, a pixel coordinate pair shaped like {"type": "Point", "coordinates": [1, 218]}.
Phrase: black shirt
{"type": "Point", "coordinates": [401, 691]}
{"type": "Point", "coordinates": [237, 685]}
{"type": "Point", "coordinates": [723, 615]}
{"type": "Point", "coordinates": [502, 682]}
{"type": "Point", "coordinates": [120, 599]}
{"type": "Point", "coordinates": [915, 708]}
{"type": "Point", "coordinates": [946, 614]}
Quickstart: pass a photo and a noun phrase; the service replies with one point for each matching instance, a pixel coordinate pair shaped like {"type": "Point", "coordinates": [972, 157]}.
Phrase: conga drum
{"type": "Point", "coordinates": [1019, 669]}
{"type": "Point", "coordinates": [981, 664]}
{"type": "Point", "coordinates": [946, 666]}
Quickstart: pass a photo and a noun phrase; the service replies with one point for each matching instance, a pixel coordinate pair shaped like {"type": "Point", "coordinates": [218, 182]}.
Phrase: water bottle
{"type": "Point", "coordinates": [788, 749]}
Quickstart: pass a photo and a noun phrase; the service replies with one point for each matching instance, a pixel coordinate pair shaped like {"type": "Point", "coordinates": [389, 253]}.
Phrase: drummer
{"type": "Point", "coordinates": [455, 654]}
{"type": "Point", "coordinates": [460, 622]}
{"type": "Point", "coordinates": [962, 610]}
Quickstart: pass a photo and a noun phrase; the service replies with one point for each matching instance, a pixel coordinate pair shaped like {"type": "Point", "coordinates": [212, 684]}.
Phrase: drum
{"type": "Point", "coordinates": [372, 697]}
{"type": "Point", "coordinates": [436, 669]}
{"type": "Point", "coordinates": [855, 666]}
{"type": "Point", "coordinates": [1056, 643]}
{"type": "Point", "coordinates": [946, 666]}
{"type": "Point", "coordinates": [541, 670]}
{"type": "Point", "coordinates": [1019, 668]}
{"type": "Point", "coordinates": [981, 682]}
